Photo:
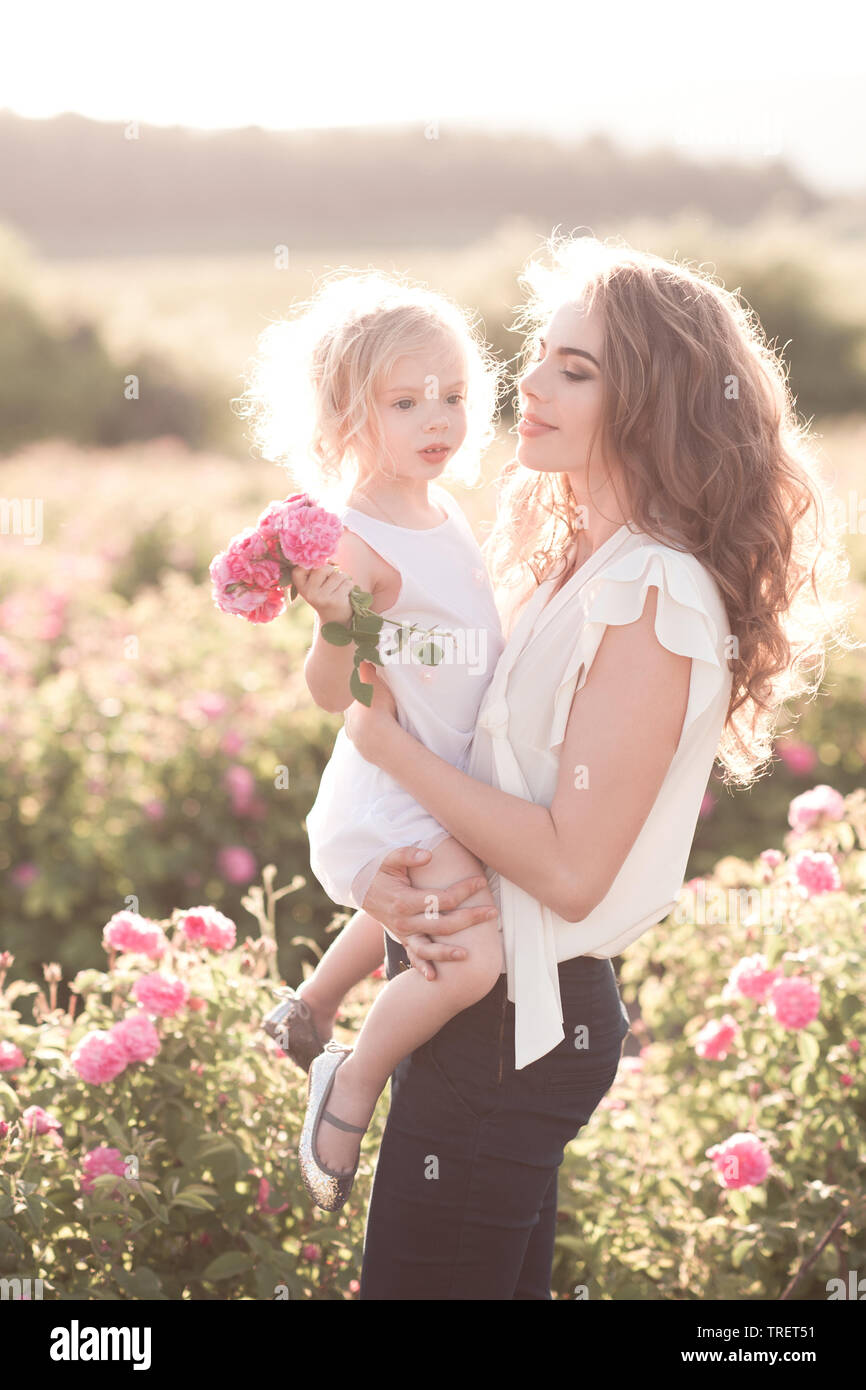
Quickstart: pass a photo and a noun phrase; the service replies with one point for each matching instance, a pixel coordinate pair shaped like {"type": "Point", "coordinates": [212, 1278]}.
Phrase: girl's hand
{"type": "Point", "coordinates": [366, 726]}
{"type": "Point", "coordinates": [327, 590]}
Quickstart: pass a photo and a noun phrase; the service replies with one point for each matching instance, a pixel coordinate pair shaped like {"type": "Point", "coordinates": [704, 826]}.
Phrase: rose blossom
{"type": "Point", "coordinates": [741, 1161]}
{"type": "Point", "coordinates": [806, 810]}
{"type": "Point", "coordinates": [11, 1057]}
{"type": "Point", "coordinates": [99, 1057]}
{"type": "Point", "coordinates": [716, 1038]}
{"type": "Point", "coordinates": [751, 978]}
{"type": "Point", "coordinates": [102, 1160]}
{"type": "Point", "coordinates": [794, 1001]}
{"type": "Point", "coordinates": [137, 1036]}
{"type": "Point", "coordinates": [236, 863]}
{"type": "Point", "coordinates": [816, 873]}
{"type": "Point", "coordinates": [129, 931]}
{"type": "Point", "coordinates": [34, 1117]}
{"type": "Point", "coordinates": [159, 994]}
{"type": "Point", "coordinates": [209, 927]}
{"type": "Point", "coordinates": [307, 534]}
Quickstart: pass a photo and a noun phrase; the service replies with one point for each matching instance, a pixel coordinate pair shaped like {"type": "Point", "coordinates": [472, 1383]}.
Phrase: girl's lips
{"type": "Point", "coordinates": [434, 453]}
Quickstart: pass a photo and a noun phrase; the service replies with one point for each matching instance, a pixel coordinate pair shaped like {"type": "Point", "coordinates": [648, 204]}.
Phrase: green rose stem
{"type": "Point", "coordinates": [364, 632]}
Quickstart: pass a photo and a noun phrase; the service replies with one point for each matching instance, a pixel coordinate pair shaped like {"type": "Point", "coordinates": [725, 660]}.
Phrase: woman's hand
{"type": "Point", "coordinates": [366, 727]}
{"type": "Point", "coordinates": [393, 901]}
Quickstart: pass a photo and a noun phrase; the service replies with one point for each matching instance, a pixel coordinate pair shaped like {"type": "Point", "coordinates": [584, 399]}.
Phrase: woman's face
{"type": "Point", "coordinates": [561, 395]}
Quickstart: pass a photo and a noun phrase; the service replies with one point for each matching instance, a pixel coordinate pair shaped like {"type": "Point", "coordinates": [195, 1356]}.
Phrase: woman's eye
{"type": "Point", "coordinates": [574, 376]}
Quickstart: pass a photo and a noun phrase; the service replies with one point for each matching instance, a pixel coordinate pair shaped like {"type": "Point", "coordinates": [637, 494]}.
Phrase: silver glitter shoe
{"type": "Point", "coordinates": [327, 1188]}
{"type": "Point", "coordinates": [291, 1025]}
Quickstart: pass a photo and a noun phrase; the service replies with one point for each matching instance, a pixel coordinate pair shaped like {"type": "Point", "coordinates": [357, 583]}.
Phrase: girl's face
{"type": "Point", "coordinates": [561, 395]}
{"type": "Point", "coordinates": [422, 409]}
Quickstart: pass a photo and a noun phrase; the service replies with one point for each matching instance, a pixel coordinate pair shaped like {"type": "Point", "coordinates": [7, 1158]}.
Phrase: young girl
{"type": "Point", "coordinates": [400, 383]}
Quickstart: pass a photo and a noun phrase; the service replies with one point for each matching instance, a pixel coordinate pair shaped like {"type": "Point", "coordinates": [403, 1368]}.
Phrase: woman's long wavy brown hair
{"type": "Point", "coordinates": [697, 409]}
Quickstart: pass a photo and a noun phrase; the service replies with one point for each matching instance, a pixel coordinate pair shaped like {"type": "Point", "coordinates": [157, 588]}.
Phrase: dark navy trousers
{"type": "Point", "coordinates": [464, 1196]}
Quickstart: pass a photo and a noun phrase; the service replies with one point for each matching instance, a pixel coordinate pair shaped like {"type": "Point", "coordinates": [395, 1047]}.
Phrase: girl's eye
{"type": "Point", "coordinates": [574, 376]}
{"type": "Point", "coordinates": [455, 397]}
{"type": "Point", "coordinates": [405, 401]}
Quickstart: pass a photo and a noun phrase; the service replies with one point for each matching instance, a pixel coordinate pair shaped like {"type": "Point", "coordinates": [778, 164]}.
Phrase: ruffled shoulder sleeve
{"type": "Point", "coordinates": [683, 624]}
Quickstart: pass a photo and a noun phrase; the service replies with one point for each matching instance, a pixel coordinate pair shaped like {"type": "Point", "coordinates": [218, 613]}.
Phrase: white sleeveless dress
{"type": "Point", "coordinates": [360, 813]}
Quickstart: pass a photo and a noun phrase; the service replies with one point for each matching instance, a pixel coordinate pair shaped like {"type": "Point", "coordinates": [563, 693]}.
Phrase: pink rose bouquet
{"type": "Point", "coordinates": [249, 578]}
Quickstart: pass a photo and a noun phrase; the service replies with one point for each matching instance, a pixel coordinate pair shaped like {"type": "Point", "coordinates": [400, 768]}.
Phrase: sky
{"type": "Point", "coordinates": [747, 80]}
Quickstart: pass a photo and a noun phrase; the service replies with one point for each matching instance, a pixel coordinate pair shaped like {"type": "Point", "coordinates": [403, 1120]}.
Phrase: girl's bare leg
{"type": "Point", "coordinates": [410, 1009]}
{"type": "Point", "coordinates": [354, 954]}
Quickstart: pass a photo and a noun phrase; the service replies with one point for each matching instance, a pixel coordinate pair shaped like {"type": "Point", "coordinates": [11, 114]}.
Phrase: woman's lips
{"type": "Point", "coordinates": [435, 453]}
{"type": "Point", "coordinates": [531, 429]}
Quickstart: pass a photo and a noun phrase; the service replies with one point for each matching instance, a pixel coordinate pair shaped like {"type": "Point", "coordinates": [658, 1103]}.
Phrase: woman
{"type": "Point", "coordinates": [671, 571]}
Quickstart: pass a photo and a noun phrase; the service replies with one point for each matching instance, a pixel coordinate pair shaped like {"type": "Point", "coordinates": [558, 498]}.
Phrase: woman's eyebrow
{"type": "Point", "coordinates": [572, 352]}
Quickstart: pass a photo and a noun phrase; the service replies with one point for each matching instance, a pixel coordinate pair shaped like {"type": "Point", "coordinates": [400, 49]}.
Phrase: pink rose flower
{"type": "Point", "coordinates": [262, 1199]}
{"type": "Point", "coordinates": [751, 978]}
{"type": "Point", "coordinates": [816, 873]}
{"type": "Point", "coordinates": [99, 1057]}
{"type": "Point", "coordinates": [311, 1252]}
{"type": "Point", "coordinates": [99, 1161]}
{"type": "Point", "coordinates": [306, 533]}
{"type": "Point", "coordinates": [236, 864]}
{"type": "Point", "coordinates": [137, 1036]}
{"type": "Point", "coordinates": [164, 995]}
{"type": "Point", "coordinates": [716, 1038]}
{"type": "Point", "coordinates": [129, 931]}
{"type": "Point", "coordinates": [807, 810]}
{"type": "Point", "coordinates": [246, 579]}
{"type": "Point", "coordinates": [771, 857]}
{"type": "Point", "coordinates": [741, 1161]}
{"type": "Point", "coordinates": [794, 1001]}
{"type": "Point", "coordinates": [34, 1117]}
{"type": "Point", "coordinates": [11, 1057]}
{"type": "Point", "coordinates": [799, 757]}
{"type": "Point", "coordinates": [241, 786]}
{"type": "Point", "coordinates": [209, 927]}
{"type": "Point", "coordinates": [24, 873]}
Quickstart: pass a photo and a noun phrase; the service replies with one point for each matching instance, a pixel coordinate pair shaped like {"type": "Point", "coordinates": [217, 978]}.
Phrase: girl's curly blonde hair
{"type": "Point", "coordinates": [311, 391]}
{"type": "Point", "coordinates": [697, 408]}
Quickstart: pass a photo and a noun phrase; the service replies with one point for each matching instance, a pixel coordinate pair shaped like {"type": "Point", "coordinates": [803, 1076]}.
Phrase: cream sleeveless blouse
{"type": "Point", "coordinates": [521, 725]}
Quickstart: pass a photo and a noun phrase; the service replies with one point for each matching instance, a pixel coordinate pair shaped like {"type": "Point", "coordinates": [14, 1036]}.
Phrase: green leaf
{"type": "Point", "coordinates": [336, 634]}
{"type": "Point", "coordinates": [808, 1047]}
{"type": "Point", "coordinates": [367, 624]}
{"type": "Point", "coordinates": [293, 593]}
{"type": "Point", "coordinates": [192, 1200]}
{"type": "Point", "coordinates": [227, 1265]}
{"type": "Point", "coordinates": [362, 692]}
{"type": "Point", "coordinates": [363, 652]}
